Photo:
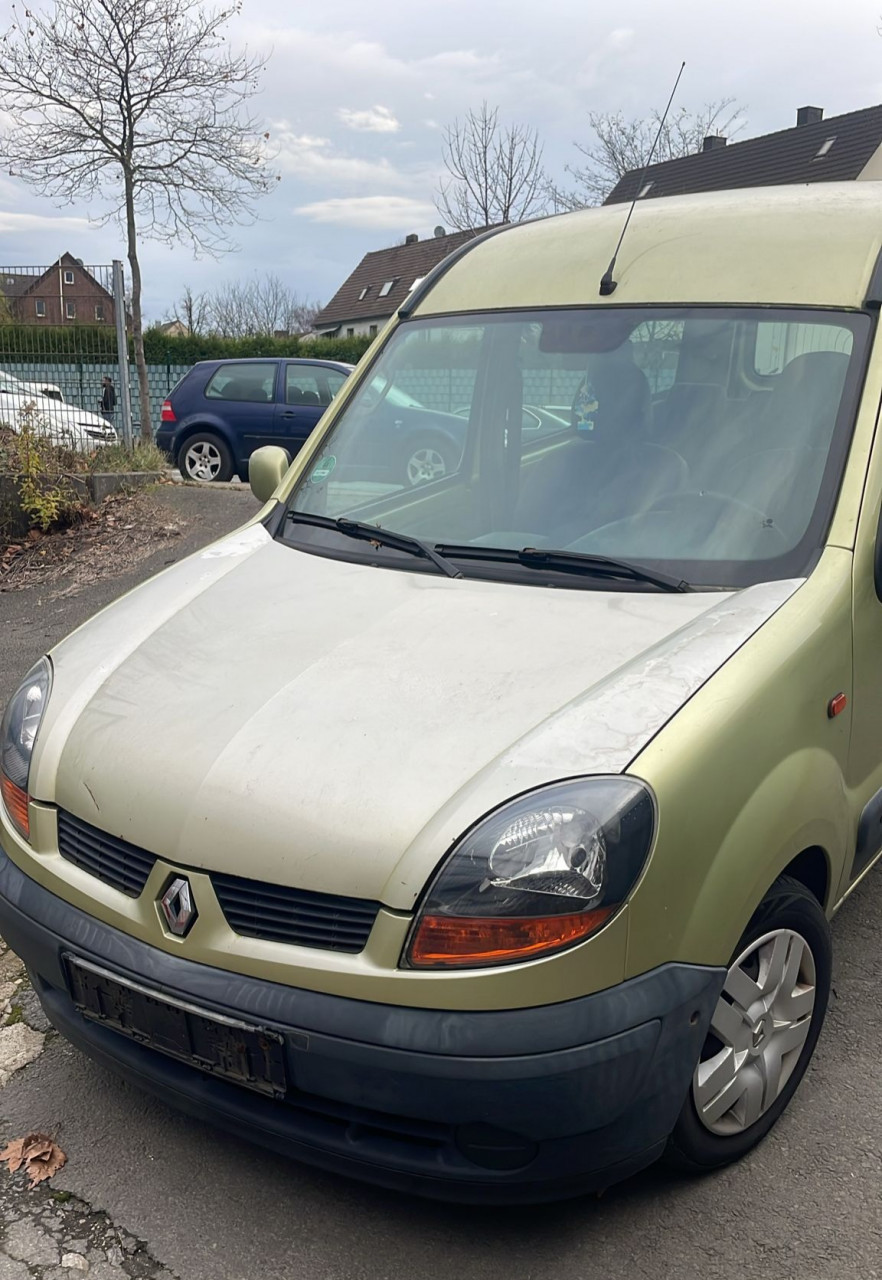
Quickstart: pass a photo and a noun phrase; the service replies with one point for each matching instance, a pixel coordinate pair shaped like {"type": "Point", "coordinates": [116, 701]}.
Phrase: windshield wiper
{"type": "Point", "coordinates": [379, 536]}
{"type": "Point", "coordinates": [567, 562]}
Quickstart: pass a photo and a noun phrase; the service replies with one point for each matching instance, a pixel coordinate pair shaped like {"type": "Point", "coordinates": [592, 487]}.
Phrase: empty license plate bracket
{"type": "Point", "coordinates": [241, 1052]}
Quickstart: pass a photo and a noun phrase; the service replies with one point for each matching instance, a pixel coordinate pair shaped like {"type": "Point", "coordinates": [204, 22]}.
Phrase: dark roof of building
{"type": "Point", "coordinates": [13, 284]}
{"type": "Point", "coordinates": [402, 264]}
{"type": "Point", "coordinates": [789, 156]}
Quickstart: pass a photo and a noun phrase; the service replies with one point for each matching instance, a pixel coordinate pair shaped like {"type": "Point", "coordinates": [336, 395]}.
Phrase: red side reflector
{"type": "Point", "coordinates": [16, 802]}
{"type": "Point", "coordinates": [167, 413]}
{"type": "Point", "coordinates": [479, 940]}
{"type": "Point", "coordinates": [837, 704]}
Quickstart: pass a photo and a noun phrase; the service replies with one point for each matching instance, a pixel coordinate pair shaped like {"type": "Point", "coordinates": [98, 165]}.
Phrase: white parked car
{"type": "Point", "coordinates": [49, 389]}
{"type": "Point", "coordinates": [66, 424]}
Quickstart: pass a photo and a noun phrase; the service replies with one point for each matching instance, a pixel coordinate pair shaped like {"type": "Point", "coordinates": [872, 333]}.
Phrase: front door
{"type": "Point", "coordinates": [306, 392]}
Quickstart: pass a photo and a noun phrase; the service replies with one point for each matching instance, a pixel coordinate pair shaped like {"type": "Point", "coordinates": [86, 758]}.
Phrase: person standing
{"type": "Point", "coordinates": [108, 398]}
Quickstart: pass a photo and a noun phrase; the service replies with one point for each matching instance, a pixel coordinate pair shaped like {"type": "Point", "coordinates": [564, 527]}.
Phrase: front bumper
{"type": "Point", "coordinates": [503, 1106]}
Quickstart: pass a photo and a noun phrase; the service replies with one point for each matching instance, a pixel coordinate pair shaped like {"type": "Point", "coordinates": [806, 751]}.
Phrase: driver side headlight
{"type": "Point", "coordinates": [539, 874]}
{"type": "Point", "coordinates": [18, 733]}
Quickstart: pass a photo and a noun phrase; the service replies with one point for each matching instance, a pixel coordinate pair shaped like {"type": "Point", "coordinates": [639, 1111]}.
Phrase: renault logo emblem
{"type": "Point", "coordinates": [177, 906]}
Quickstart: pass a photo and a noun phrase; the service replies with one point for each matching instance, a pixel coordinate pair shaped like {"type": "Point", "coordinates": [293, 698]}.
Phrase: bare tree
{"type": "Point", "coordinates": [495, 172]}
{"type": "Point", "coordinates": [622, 145]}
{"type": "Point", "coordinates": [191, 311]}
{"type": "Point", "coordinates": [141, 103]}
{"type": "Point", "coordinates": [258, 307]}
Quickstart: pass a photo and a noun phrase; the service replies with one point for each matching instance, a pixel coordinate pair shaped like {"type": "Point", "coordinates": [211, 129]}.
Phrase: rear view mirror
{"type": "Point", "coordinates": [580, 333]}
{"type": "Point", "coordinates": [266, 469]}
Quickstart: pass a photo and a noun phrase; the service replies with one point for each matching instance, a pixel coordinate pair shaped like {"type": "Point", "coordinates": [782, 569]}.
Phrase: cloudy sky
{"type": "Point", "coordinates": [357, 92]}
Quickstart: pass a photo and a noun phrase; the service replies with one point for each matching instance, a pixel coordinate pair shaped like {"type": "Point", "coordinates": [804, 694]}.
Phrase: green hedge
{"type": "Point", "coordinates": [71, 343]}
{"type": "Point", "coordinates": [162, 349]}
{"type": "Point", "coordinates": [60, 343]}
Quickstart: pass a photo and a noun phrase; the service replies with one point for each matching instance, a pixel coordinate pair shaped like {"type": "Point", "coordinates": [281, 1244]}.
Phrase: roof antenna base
{"type": "Point", "coordinates": [608, 285]}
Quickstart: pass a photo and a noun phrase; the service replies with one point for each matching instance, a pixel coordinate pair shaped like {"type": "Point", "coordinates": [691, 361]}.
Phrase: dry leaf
{"type": "Point", "coordinates": [13, 1154]}
{"type": "Point", "coordinates": [40, 1155]}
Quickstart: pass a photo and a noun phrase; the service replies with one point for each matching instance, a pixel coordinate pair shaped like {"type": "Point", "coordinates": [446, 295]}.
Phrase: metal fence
{"type": "Point", "coordinates": [64, 351]}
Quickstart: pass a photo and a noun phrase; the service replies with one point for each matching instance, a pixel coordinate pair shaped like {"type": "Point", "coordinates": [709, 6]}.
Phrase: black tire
{"type": "Point", "coordinates": [788, 905]}
{"type": "Point", "coordinates": [217, 461]}
{"type": "Point", "coordinates": [429, 445]}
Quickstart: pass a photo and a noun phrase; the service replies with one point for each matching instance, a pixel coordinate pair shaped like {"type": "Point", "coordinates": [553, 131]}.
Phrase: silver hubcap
{"type": "Point", "coordinates": [425, 465]}
{"type": "Point", "coordinates": [202, 461]}
{"type": "Point", "coordinates": [757, 1032]}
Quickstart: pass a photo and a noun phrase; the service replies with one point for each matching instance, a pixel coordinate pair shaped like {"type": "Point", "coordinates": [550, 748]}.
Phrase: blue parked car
{"type": "Point", "coordinates": [222, 410]}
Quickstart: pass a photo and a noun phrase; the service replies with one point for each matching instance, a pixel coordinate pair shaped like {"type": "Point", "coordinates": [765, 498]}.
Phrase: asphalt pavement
{"type": "Point", "coordinates": [187, 1200]}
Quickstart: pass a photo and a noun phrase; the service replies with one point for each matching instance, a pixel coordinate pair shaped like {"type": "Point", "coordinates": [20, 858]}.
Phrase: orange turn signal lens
{"type": "Point", "coordinates": [442, 941]}
{"type": "Point", "coordinates": [16, 802]}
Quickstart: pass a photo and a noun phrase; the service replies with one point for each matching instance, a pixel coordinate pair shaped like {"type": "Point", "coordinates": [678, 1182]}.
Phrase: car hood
{"type": "Point", "coordinates": [335, 726]}
{"type": "Point", "coordinates": [55, 412]}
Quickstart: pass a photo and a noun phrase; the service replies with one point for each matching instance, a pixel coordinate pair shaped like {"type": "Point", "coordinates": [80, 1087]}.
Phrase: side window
{"type": "Point", "coordinates": [335, 381]}
{"type": "Point", "coordinates": [779, 343]}
{"type": "Point", "coordinates": [302, 387]}
{"type": "Point", "coordinates": [250, 382]}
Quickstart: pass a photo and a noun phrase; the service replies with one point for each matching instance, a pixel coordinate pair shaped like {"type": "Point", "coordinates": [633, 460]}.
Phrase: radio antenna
{"type": "Point", "coordinates": [607, 283]}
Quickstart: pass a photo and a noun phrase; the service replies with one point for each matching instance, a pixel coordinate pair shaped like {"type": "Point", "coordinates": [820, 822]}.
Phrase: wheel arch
{"type": "Point", "coordinates": [206, 426]}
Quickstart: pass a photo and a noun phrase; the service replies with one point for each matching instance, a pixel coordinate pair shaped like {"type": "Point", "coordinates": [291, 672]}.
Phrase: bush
{"type": "Point", "coordinates": [74, 343]}
{"type": "Point", "coordinates": [38, 469]}
{"type": "Point", "coordinates": [160, 348]}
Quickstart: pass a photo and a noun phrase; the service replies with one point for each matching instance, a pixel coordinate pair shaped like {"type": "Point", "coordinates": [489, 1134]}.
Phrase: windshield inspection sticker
{"type": "Point", "coordinates": [323, 469]}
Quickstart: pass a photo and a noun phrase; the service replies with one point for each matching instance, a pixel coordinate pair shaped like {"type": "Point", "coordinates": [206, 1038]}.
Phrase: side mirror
{"type": "Point", "coordinates": [266, 468]}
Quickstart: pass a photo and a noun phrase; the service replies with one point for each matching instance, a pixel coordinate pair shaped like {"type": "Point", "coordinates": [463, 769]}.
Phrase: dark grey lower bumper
{"type": "Point", "coordinates": [513, 1105]}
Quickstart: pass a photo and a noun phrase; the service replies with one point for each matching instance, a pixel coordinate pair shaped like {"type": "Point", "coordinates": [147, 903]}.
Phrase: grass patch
{"type": "Point", "coordinates": [62, 1197]}
{"type": "Point", "coordinates": [16, 1014]}
{"type": "Point", "coordinates": [116, 457]}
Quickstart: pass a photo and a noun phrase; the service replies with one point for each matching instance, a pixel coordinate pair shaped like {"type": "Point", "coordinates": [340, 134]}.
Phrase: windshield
{"type": "Point", "coordinates": [706, 443]}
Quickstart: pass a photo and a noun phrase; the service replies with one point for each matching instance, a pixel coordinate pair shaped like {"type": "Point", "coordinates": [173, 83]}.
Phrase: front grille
{"type": "Point", "coordinates": [106, 857]}
{"type": "Point", "coordinates": [252, 908]}
{"type": "Point", "coordinates": [280, 914]}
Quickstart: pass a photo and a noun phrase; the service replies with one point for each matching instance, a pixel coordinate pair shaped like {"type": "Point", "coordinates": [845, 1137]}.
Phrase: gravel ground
{"type": "Point", "coordinates": [147, 1192]}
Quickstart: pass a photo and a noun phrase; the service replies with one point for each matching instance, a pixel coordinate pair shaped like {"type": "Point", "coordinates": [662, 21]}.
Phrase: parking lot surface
{"type": "Point", "coordinates": [154, 1193]}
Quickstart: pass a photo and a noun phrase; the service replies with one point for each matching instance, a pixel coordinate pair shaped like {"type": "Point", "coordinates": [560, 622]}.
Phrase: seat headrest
{"type": "Point", "coordinates": [808, 392]}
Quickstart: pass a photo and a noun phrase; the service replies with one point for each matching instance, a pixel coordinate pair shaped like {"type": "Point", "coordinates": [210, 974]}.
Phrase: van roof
{"type": "Point", "coordinates": [792, 245]}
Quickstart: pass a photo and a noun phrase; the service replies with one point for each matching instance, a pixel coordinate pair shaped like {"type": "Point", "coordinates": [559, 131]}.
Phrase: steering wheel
{"type": "Point", "coordinates": [710, 497]}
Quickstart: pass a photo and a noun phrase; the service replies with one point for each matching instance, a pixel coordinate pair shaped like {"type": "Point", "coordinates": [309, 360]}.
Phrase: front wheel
{"type": "Point", "coordinates": [205, 457]}
{"type": "Point", "coordinates": [762, 1033]}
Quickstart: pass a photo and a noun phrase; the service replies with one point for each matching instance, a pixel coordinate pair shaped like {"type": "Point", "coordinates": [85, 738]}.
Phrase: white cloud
{"type": "Point", "coordinates": [620, 38]}
{"type": "Point", "coordinates": [316, 160]}
{"type": "Point", "coordinates": [374, 120]}
{"type": "Point", "coordinates": [377, 213]}
{"type": "Point", "coordinates": [23, 223]}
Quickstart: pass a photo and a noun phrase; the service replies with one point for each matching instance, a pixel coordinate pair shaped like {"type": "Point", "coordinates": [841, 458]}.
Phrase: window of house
{"type": "Point", "coordinates": [350, 333]}
{"type": "Point", "coordinates": [68, 277]}
{"type": "Point", "coordinates": [40, 307]}
{"type": "Point", "coordinates": [388, 286]}
{"type": "Point", "coordinates": [824, 148]}
{"type": "Point", "coordinates": [372, 331]}
{"type": "Point", "coordinates": [645, 190]}
{"type": "Point", "coordinates": [364, 293]}
{"type": "Point", "coordinates": [70, 310]}
{"type": "Point", "coordinates": [99, 310]}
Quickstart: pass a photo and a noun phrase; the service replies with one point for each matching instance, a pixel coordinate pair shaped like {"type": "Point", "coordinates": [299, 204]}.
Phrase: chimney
{"type": "Point", "coordinates": [411, 239]}
{"type": "Point", "coordinates": [809, 115]}
{"type": "Point", "coordinates": [713, 142]}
